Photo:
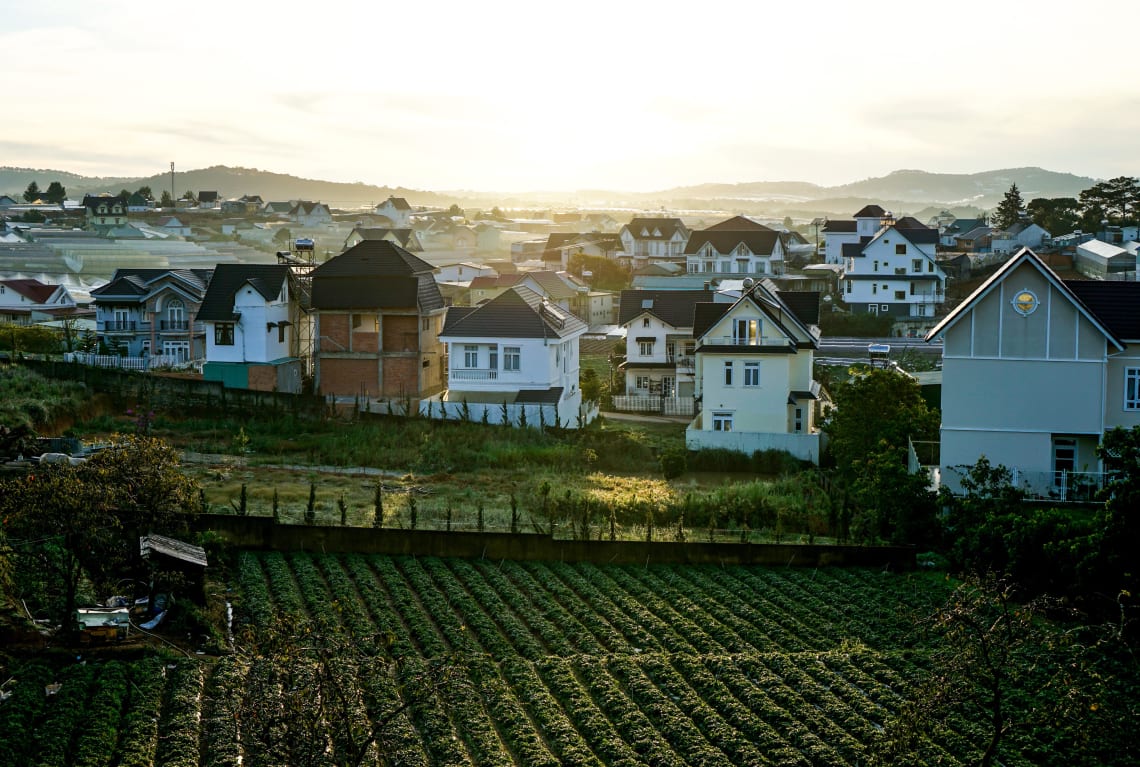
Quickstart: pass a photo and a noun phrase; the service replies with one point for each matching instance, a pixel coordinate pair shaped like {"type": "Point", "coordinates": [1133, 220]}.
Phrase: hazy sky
{"type": "Point", "coordinates": [529, 95]}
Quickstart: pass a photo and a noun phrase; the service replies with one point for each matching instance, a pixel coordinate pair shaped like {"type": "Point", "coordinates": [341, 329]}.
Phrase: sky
{"type": "Point", "coordinates": [534, 95]}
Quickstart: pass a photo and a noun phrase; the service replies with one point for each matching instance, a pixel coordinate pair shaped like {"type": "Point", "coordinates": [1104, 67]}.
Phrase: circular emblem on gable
{"type": "Point", "coordinates": [1025, 302]}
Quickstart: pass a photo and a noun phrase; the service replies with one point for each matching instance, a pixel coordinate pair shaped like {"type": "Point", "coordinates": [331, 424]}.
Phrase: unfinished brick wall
{"type": "Point", "coordinates": [402, 376]}
{"type": "Point", "coordinates": [347, 377]}
{"type": "Point", "coordinates": [401, 332]}
{"type": "Point", "coordinates": [335, 327]}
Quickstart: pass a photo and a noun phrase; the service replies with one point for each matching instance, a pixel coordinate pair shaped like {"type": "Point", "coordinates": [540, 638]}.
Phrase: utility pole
{"type": "Point", "coordinates": [172, 197]}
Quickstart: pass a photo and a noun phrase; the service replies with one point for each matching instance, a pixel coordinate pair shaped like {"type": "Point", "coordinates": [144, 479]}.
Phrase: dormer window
{"type": "Point", "coordinates": [656, 232]}
{"type": "Point", "coordinates": [644, 232]}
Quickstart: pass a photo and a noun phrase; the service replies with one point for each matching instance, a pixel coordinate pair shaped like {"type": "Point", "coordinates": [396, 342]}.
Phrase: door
{"type": "Point", "coordinates": [1064, 459]}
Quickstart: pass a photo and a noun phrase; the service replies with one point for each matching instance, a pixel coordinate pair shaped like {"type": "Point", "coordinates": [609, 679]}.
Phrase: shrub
{"type": "Point", "coordinates": [673, 464]}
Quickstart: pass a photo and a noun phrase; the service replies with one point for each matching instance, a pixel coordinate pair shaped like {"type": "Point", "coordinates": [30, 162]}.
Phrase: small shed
{"type": "Point", "coordinates": [172, 555]}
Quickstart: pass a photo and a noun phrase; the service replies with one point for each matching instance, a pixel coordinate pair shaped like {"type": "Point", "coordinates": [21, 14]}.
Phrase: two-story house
{"type": "Point", "coordinates": [251, 318]}
{"type": "Point", "coordinates": [1021, 234]}
{"type": "Point", "coordinates": [738, 246]}
{"type": "Point", "coordinates": [895, 273]}
{"type": "Point", "coordinates": [397, 210]}
{"type": "Point", "coordinates": [754, 373]}
{"type": "Point", "coordinates": [659, 361]}
{"type": "Point", "coordinates": [105, 210]}
{"type": "Point", "coordinates": [143, 312]}
{"type": "Point", "coordinates": [644, 240]}
{"type": "Point", "coordinates": [310, 214]}
{"type": "Point", "coordinates": [1034, 370]}
{"type": "Point", "coordinates": [26, 301]}
{"type": "Point", "coordinates": [516, 350]}
{"type": "Point", "coordinates": [377, 313]}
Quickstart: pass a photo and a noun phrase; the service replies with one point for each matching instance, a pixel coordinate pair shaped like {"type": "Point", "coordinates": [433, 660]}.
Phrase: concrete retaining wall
{"type": "Point", "coordinates": [263, 533]}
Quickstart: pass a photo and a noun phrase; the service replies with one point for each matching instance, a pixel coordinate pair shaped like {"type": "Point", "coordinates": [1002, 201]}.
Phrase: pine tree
{"type": "Point", "coordinates": [1009, 209]}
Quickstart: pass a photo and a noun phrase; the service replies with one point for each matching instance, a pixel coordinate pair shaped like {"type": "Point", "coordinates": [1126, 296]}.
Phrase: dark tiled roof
{"type": "Point", "coordinates": [218, 304]}
{"type": "Point", "coordinates": [738, 224]}
{"type": "Point", "coordinates": [759, 242]}
{"type": "Point", "coordinates": [399, 203]}
{"type": "Point", "coordinates": [852, 249]}
{"type": "Point", "coordinates": [871, 211]}
{"type": "Point", "coordinates": [487, 281]}
{"type": "Point", "coordinates": [382, 232]}
{"type": "Point", "coordinates": [207, 197]}
{"type": "Point", "coordinates": [840, 226]}
{"type": "Point", "coordinates": [803, 304]}
{"type": "Point", "coordinates": [673, 307]}
{"type": "Point", "coordinates": [375, 274]}
{"type": "Point", "coordinates": [924, 236]}
{"type": "Point", "coordinates": [137, 281]}
{"type": "Point", "coordinates": [94, 200]}
{"type": "Point", "coordinates": [910, 222]}
{"type": "Point", "coordinates": [666, 226]}
{"type": "Point", "coordinates": [553, 285]}
{"type": "Point", "coordinates": [1114, 303]}
{"type": "Point", "coordinates": [515, 313]}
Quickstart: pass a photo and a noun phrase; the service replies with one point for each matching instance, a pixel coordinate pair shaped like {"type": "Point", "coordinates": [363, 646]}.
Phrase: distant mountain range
{"type": "Point", "coordinates": [902, 191]}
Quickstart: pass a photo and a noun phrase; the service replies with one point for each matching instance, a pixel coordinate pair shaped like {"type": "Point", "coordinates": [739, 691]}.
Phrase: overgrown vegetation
{"type": "Point", "coordinates": [29, 399]}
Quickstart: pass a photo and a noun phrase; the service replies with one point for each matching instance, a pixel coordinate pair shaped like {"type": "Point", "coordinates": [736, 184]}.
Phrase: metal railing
{"type": "Point", "coordinates": [174, 325]}
{"type": "Point", "coordinates": [118, 326]}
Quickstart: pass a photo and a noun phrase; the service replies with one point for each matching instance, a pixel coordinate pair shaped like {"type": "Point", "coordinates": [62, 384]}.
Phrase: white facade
{"type": "Point", "coordinates": [648, 239]}
{"type": "Point", "coordinates": [659, 358]}
{"type": "Point", "coordinates": [740, 260]}
{"type": "Point", "coordinates": [754, 377]}
{"type": "Point", "coordinates": [400, 214]}
{"type": "Point", "coordinates": [263, 332]}
{"type": "Point", "coordinates": [894, 276]}
{"type": "Point", "coordinates": [463, 272]}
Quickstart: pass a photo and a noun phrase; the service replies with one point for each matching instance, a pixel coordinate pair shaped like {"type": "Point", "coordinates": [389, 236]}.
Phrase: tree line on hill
{"type": "Point", "coordinates": [1114, 202]}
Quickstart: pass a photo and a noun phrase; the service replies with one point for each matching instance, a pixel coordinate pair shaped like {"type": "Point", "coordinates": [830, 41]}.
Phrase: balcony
{"type": "Point", "coordinates": [174, 325]}
{"type": "Point", "coordinates": [739, 341]}
{"type": "Point", "coordinates": [474, 376]}
{"type": "Point", "coordinates": [118, 326]}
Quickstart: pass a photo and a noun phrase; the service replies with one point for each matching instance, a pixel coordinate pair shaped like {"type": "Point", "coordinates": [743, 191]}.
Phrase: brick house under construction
{"type": "Point", "coordinates": [378, 314]}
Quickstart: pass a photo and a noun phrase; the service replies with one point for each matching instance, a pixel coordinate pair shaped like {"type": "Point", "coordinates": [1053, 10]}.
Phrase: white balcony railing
{"type": "Point", "coordinates": [477, 376]}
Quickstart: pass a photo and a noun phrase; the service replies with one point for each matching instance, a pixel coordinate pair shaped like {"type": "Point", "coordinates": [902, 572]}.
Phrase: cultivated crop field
{"type": "Point", "coordinates": [557, 663]}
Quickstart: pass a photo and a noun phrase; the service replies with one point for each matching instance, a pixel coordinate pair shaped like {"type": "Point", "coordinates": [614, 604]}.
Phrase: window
{"type": "Point", "coordinates": [848, 285]}
{"type": "Point", "coordinates": [930, 266]}
{"type": "Point", "coordinates": [426, 324]}
{"type": "Point", "coordinates": [470, 356]}
{"type": "Point", "coordinates": [900, 250]}
{"type": "Point", "coordinates": [281, 333]}
{"type": "Point", "coordinates": [751, 373]}
{"type": "Point", "coordinates": [875, 266]}
{"type": "Point", "coordinates": [798, 420]}
{"type": "Point", "coordinates": [645, 348]}
{"type": "Point", "coordinates": [641, 382]}
{"type": "Point", "coordinates": [493, 358]}
{"type": "Point", "coordinates": [366, 323]}
{"type": "Point", "coordinates": [874, 289]}
{"type": "Point", "coordinates": [746, 332]}
{"type": "Point", "coordinates": [511, 357]}
{"type": "Point", "coordinates": [900, 295]}
{"type": "Point", "coordinates": [916, 265]}
{"type": "Point", "coordinates": [721, 421]}
{"type": "Point", "coordinates": [1132, 388]}
{"type": "Point", "coordinates": [728, 373]}
{"type": "Point", "coordinates": [645, 322]}
{"type": "Point", "coordinates": [223, 333]}
{"type": "Point", "coordinates": [884, 308]}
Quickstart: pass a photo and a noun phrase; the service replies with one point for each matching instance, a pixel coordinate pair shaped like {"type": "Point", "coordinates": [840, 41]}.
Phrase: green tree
{"type": "Point", "coordinates": [1111, 200]}
{"type": "Point", "coordinates": [1057, 216]}
{"type": "Point", "coordinates": [32, 193]}
{"type": "Point", "coordinates": [71, 522]}
{"type": "Point", "coordinates": [605, 273]}
{"type": "Point", "coordinates": [874, 406]}
{"type": "Point", "coordinates": [190, 197]}
{"type": "Point", "coordinates": [1009, 209]}
{"type": "Point", "coordinates": [166, 201]}
{"type": "Point", "coordinates": [55, 194]}
{"type": "Point", "coordinates": [145, 192]}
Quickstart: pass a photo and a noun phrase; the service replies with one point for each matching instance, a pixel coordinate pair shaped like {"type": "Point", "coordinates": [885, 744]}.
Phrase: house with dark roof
{"type": "Point", "coordinates": [651, 239]}
{"type": "Point", "coordinates": [137, 203]}
{"type": "Point", "coordinates": [105, 210]}
{"type": "Point", "coordinates": [209, 200]}
{"type": "Point", "coordinates": [405, 238]}
{"type": "Point", "coordinates": [723, 249]}
{"type": "Point", "coordinates": [252, 319]}
{"type": "Point", "coordinates": [517, 352]}
{"type": "Point", "coordinates": [1020, 234]}
{"type": "Point", "coordinates": [149, 312]}
{"type": "Point", "coordinates": [276, 209]}
{"type": "Point", "coordinates": [894, 273]}
{"type": "Point", "coordinates": [562, 246]}
{"type": "Point", "coordinates": [305, 213]}
{"type": "Point", "coordinates": [377, 317]}
{"type": "Point", "coordinates": [397, 210]}
{"type": "Point", "coordinates": [1034, 370]}
{"type": "Point", "coordinates": [659, 362]}
{"type": "Point", "coordinates": [754, 365]}
{"type": "Point", "coordinates": [28, 301]}
{"type": "Point", "coordinates": [950, 231]}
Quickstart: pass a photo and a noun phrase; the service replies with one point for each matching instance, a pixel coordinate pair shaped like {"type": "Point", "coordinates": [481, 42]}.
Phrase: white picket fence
{"type": "Point", "coordinates": [151, 362]}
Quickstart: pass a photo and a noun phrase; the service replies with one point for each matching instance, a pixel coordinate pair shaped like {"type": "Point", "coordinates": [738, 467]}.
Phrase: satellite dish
{"type": "Point", "coordinates": [748, 283]}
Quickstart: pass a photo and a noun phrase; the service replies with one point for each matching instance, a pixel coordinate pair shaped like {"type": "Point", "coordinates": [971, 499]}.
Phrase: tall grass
{"type": "Point", "coordinates": [29, 399]}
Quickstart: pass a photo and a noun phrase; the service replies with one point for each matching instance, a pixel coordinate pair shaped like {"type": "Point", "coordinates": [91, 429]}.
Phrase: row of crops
{"type": "Point", "coordinates": [558, 664]}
